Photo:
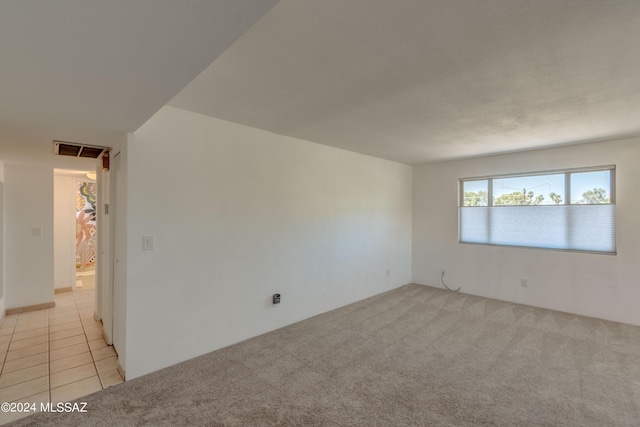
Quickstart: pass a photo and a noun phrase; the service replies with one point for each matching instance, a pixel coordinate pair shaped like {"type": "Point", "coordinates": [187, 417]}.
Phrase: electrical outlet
{"type": "Point", "coordinates": [524, 282]}
{"type": "Point", "coordinates": [276, 298]}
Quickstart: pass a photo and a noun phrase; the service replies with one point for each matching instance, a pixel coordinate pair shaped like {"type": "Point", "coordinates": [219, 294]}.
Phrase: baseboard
{"type": "Point", "coordinates": [61, 290]}
{"type": "Point", "coordinates": [35, 307]}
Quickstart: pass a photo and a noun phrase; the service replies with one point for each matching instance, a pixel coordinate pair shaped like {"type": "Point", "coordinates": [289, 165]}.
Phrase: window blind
{"type": "Point", "coordinates": [588, 228]}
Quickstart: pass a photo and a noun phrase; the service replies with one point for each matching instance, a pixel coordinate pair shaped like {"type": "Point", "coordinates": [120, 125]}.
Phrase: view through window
{"type": "Point", "coordinates": [569, 209]}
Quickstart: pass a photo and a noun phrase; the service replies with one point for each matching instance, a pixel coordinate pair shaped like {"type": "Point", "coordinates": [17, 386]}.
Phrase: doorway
{"type": "Point", "coordinates": [75, 229]}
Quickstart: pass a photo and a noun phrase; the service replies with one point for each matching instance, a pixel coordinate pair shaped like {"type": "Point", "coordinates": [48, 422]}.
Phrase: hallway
{"type": "Point", "coordinates": [55, 355]}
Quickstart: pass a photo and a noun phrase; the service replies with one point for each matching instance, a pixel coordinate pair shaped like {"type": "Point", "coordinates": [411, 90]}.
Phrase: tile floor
{"type": "Point", "coordinates": [55, 355]}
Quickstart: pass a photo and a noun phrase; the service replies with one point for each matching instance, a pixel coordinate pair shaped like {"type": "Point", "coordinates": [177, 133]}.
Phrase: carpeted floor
{"type": "Point", "coordinates": [413, 356]}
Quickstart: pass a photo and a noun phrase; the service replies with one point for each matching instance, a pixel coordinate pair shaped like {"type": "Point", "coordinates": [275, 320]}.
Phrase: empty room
{"type": "Point", "coordinates": [319, 212]}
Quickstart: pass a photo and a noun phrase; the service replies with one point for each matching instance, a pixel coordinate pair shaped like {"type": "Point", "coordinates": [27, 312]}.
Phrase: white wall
{"type": "Point", "coordinates": [29, 258]}
{"type": "Point", "coordinates": [2, 269]}
{"type": "Point", "coordinates": [64, 231]}
{"type": "Point", "coordinates": [239, 214]}
{"type": "Point", "coordinates": [602, 286]}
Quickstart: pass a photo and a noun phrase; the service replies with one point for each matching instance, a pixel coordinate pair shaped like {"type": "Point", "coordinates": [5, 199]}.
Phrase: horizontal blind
{"type": "Point", "coordinates": [573, 227]}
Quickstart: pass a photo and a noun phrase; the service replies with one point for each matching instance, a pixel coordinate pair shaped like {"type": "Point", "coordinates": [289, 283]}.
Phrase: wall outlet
{"type": "Point", "coordinates": [276, 298]}
{"type": "Point", "coordinates": [524, 282]}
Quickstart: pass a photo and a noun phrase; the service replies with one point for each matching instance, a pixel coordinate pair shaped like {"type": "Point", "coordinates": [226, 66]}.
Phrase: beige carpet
{"type": "Point", "coordinates": [413, 356]}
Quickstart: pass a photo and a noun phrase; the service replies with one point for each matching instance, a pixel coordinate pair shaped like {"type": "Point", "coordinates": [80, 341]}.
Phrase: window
{"type": "Point", "coordinates": [565, 210]}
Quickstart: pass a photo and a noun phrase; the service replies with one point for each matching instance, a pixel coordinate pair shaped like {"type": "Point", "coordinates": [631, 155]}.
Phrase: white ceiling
{"type": "Point", "coordinates": [88, 70]}
{"type": "Point", "coordinates": [408, 80]}
{"type": "Point", "coordinates": [417, 81]}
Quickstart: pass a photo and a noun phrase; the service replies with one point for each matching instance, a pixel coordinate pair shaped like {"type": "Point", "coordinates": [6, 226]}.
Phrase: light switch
{"type": "Point", "coordinates": [148, 243]}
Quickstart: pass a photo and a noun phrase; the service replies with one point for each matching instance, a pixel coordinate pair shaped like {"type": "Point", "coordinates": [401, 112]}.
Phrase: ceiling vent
{"type": "Point", "coordinates": [64, 148]}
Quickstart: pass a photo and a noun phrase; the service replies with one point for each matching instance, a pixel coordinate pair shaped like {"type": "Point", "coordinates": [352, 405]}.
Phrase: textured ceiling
{"type": "Point", "coordinates": [86, 70]}
{"type": "Point", "coordinates": [418, 81]}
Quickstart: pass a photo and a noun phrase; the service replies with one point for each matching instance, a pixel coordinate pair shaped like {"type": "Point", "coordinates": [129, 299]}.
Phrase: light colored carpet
{"type": "Point", "coordinates": [413, 356]}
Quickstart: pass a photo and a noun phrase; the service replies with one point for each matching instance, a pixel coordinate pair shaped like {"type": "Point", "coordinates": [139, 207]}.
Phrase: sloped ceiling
{"type": "Point", "coordinates": [87, 70]}
{"type": "Point", "coordinates": [419, 81]}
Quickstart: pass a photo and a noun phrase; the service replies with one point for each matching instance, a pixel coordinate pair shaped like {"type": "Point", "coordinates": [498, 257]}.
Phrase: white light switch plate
{"type": "Point", "coordinates": [148, 243]}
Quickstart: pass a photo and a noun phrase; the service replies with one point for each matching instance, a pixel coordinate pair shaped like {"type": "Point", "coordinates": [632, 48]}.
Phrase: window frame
{"type": "Point", "coordinates": [566, 202]}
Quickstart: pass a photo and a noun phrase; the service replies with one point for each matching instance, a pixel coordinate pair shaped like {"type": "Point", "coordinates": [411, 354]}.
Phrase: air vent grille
{"type": "Point", "coordinates": [64, 148]}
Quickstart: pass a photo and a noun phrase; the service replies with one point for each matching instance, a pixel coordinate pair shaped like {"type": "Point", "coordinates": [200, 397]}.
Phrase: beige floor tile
{"type": "Point", "coordinates": [107, 364]}
{"type": "Point", "coordinates": [92, 326]}
{"type": "Point", "coordinates": [96, 327]}
{"type": "Point", "coordinates": [66, 342]}
{"type": "Point", "coordinates": [36, 399]}
{"type": "Point", "coordinates": [65, 301]}
{"type": "Point", "coordinates": [94, 335]}
{"type": "Point", "coordinates": [66, 326]}
{"type": "Point", "coordinates": [16, 344]}
{"type": "Point", "coordinates": [7, 330]}
{"type": "Point", "coordinates": [61, 312]}
{"type": "Point", "coordinates": [25, 362]}
{"type": "Point", "coordinates": [70, 362]}
{"type": "Point", "coordinates": [63, 309]}
{"type": "Point", "coordinates": [72, 350]}
{"type": "Point", "coordinates": [34, 315]}
{"type": "Point", "coordinates": [91, 322]}
{"type": "Point", "coordinates": [75, 390]}
{"type": "Point", "coordinates": [27, 388]}
{"type": "Point", "coordinates": [29, 326]}
{"type": "Point", "coordinates": [85, 305]}
{"type": "Point", "coordinates": [66, 319]}
{"type": "Point", "coordinates": [87, 314]}
{"type": "Point", "coordinates": [103, 353]}
{"type": "Point", "coordinates": [23, 375]}
{"type": "Point", "coordinates": [110, 378]}
{"type": "Point", "coordinates": [91, 330]}
{"type": "Point", "coordinates": [7, 417]}
{"type": "Point", "coordinates": [30, 334]}
{"type": "Point", "coordinates": [27, 351]}
{"type": "Point", "coordinates": [39, 398]}
{"type": "Point", "coordinates": [66, 334]}
{"type": "Point", "coordinates": [72, 375]}
{"type": "Point", "coordinates": [49, 350]}
{"type": "Point", "coordinates": [96, 344]}
{"type": "Point", "coordinates": [10, 319]}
